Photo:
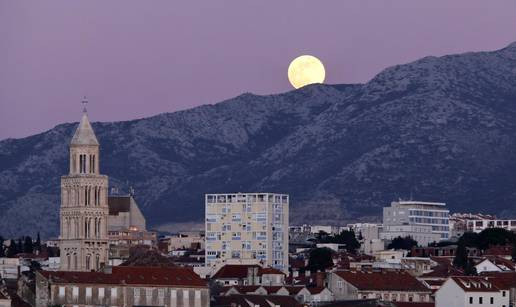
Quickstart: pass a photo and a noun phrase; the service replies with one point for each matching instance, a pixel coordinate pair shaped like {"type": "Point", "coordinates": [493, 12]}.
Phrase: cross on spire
{"type": "Point", "coordinates": [84, 103]}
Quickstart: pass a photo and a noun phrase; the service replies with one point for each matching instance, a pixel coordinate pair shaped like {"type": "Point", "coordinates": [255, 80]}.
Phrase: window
{"type": "Point", "coordinates": [491, 300]}
{"type": "Point", "coordinates": [75, 291]}
{"type": "Point", "coordinates": [197, 294]}
{"type": "Point", "coordinates": [503, 293]}
{"type": "Point", "coordinates": [480, 299]}
{"type": "Point", "coordinates": [113, 294]}
{"type": "Point", "coordinates": [101, 293]}
{"type": "Point", "coordinates": [186, 294]}
{"type": "Point", "coordinates": [161, 292]}
{"type": "Point", "coordinates": [88, 292]}
{"type": "Point", "coordinates": [62, 291]}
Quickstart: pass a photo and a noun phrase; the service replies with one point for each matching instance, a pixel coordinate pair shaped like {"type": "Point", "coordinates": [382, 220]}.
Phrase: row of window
{"type": "Point", "coordinates": [246, 198]}
{"type": "Point", "coordinates": [429, 213]}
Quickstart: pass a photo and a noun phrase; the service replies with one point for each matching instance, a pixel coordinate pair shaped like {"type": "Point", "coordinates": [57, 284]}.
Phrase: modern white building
{"type": "Point", "coordinates": [246, 228]}
{"type": "Point", "coordinates": [458, 291]}
{"type": "Point", "coordinates": [462, 222]}
{"type": "Point", "coordinates": [419, 213]}
{"type": "Point", "coordinates": [423, 234]}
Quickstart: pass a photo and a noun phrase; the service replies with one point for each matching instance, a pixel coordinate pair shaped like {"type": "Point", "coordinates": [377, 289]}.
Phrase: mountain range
{"type": "Point", "coordinates": [437, 129]}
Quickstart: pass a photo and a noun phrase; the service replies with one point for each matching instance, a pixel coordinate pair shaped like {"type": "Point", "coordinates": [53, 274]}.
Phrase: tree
{"type": "Point", "coordinates": [320, 259]}
{"type": "Point", "coordinates": [470, 269]}
{"type": "Point", "coordinates": [461, 256]}
{"type": "Point", "coordinates": [402, 243]}
{"type": "Point", "coordinates": [2, 251]}
{"type": "Point", "coordinates": [37, 246]}
{"type": "Point", "coordinates": [28, 246]}
{"type": "Point", "coordinates": [346, 238]}
{"type": "Point", "coordinates": [12, 250]}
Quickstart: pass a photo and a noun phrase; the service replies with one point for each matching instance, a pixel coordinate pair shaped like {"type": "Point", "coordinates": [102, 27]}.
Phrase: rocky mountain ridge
{"type": "Point", "coordinates": [437, 129]}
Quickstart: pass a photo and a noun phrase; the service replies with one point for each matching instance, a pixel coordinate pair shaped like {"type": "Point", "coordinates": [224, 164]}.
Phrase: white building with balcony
{"type": "Point", "coordinates": [419, 213]}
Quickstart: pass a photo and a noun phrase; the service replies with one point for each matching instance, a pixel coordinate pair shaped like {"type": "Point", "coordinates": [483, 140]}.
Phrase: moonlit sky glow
{"type": "Point", "coordinates": [136, 58]}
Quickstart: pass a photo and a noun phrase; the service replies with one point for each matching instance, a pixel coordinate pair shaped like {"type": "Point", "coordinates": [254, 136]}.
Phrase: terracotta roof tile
{"type": "Point", "coordinates": [474, 284]}
{"type": "Point", "coordinates": [176, 276]}
{"type": "Point", "coordinates": [385, 280]}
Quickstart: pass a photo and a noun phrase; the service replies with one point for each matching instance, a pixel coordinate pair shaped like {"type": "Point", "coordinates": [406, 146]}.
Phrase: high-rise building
{"type": "Point", "coordinates": [84, 205]}
{"type": "Point", "coordinates": [246, 228]}
{"type": "Point", "coordinates": [419, 213]}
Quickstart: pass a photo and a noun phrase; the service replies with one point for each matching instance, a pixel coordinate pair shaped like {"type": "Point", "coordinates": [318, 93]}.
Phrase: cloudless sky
{"type": "Point", "coordinates": [136, 58]}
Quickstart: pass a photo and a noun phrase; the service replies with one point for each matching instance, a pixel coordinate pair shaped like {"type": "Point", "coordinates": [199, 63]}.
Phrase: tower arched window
{"type": "Point", "coordinates": [75, 261]}
{"type": "Point", "coordinates": [97, 262]}
{"type": "Point", "coordinates": [68, 261]}
{"type": "Point", "coordinates": [88, 261]}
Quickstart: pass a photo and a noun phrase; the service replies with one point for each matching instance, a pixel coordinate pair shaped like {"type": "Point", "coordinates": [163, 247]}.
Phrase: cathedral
{"type": "Point", "coordinates": [84, 205]}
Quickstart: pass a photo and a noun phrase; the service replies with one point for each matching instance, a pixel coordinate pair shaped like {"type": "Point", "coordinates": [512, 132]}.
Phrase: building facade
{"type": "Point", "coordinates": [391, 286]}
{"type": "Point", "coordinates": [423, 234]}
{"type": "Point", "coordinates": [470, 291]}
{"type": "Point", "coordinates": [84, 206]}
{"type": "Point", "coordinates": [245, 228]}
{"type": "Point", "coordinates": [462, 222]}
{"type": "Point", "coordinates": [419, 213]}
{"type": "Point", "coordinates": [123, 286]}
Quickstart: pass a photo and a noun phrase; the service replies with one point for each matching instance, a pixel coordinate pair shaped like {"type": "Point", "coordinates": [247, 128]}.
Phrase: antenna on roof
{"type": "Point", "coordinates": [84, 103]}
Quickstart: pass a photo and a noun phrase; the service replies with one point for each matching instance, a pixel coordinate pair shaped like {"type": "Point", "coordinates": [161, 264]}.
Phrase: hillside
{"type": "Point", "coordinates": [438, 129]}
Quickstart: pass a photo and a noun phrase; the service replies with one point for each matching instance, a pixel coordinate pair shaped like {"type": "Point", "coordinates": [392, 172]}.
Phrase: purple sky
{"type": "Point", "coordinates": [139, 58]}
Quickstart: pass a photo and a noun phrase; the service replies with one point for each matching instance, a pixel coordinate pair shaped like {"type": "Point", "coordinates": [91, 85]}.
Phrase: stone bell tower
{"type": "Point", "coordinates": [84, 205]}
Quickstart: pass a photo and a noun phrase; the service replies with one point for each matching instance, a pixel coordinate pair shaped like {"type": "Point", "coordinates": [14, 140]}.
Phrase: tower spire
{"type": "Point", "coordinates": [84, 103]}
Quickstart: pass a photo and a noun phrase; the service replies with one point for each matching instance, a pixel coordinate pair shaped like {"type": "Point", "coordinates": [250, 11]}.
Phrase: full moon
{"type": "Point", "coordinates": [304, 70]}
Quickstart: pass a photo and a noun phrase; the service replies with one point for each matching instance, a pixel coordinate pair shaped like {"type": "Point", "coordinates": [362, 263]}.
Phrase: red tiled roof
{"type": "Point", "coordinates": [474, 284]}
{"type": "Point", "coordinates": [499, 250]}
{"type": "Point", "coordinates": [385, 280]}
{"type": "Point", "coordinates": [272, 289]}
{"type": "Point", "coordinates": [256, 300]}
{"type": "Point", "coordinates": [315, 290]}
{"type": "Point", "coordinates": [240, 289]}
{"type": "Point", "coordinates": [502, 280]}
{"type": "Point", "coordinates": [293, 290]}
{"type": "Point", "coordinates": [177, 276]}
{"type": "Point", "coordinates": [262, 271]}
{"type": "Point", "coordinates": [233, 271]}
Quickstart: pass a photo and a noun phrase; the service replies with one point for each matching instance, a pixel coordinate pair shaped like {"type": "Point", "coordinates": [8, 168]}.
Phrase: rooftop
{"type": "Point", "coordinates": [474, 284]}
{"type": "Point", "coordinates": [176, 276]}
{"type": "Point", "coordinates": [84, 134]}
{"type": "Point", "coordinates": [385, 280]}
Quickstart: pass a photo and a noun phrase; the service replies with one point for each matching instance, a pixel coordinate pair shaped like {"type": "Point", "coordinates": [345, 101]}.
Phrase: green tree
{"type": "Point", "coordinates": [346, 238]}
{"type": "Point", "coordinates": [461, 256]}
{"type": "Point", "coordinates": [2, 251]}
{"type": "Point", "coordinates": [37, 245]}
{"type": "Point", "coordinates": [402, 243]}
{"type": "Point", "coordinates": [470, 269]}
{"type": "Point", "coordinates": [320, 259]}
{"type": "Point", "coordinates": [12, 250]}
{"type": "Point", "coordinates": [28, 246]}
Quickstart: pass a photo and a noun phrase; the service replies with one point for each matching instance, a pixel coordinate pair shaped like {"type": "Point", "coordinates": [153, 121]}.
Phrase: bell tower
{"type": "Point", "coordinates": [84, 205]}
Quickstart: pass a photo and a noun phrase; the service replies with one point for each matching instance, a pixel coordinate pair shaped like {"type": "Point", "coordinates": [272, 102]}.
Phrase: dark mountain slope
{"type": "Point", "coordinates": [439, 129]}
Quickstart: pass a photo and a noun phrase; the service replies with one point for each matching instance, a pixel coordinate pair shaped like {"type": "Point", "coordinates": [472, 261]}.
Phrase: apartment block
{"type": "Point", "coordinates": [247, 228]}
{"type": "Point", "coordinates": [419, 213]}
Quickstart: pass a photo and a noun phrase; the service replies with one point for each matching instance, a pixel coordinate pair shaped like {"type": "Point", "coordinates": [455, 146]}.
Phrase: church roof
{"type": "Point", "coordinates": [84, 134]}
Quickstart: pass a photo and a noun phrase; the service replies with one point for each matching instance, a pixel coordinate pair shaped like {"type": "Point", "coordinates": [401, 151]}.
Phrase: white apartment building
{"type": "Point", "coordinates": [423, 234]}
{"type": "Point", "coordinates": [246, 228]}
{"type": "Point", "coordinates": [462, 222]}
{"type": "Point", "coordinates": [419, 213]}
{"type": "Point", "coordinates": [470, 291]}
